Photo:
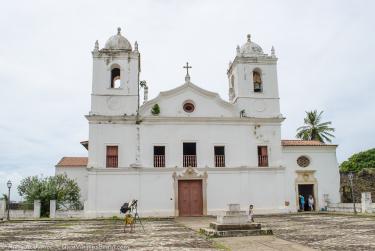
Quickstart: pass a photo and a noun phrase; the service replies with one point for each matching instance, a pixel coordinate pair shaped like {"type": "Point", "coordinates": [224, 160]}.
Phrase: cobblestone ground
{"type": "Point", "coordinates": [99, 235]}
{"type": "Point", "coordinates": [324, 232]}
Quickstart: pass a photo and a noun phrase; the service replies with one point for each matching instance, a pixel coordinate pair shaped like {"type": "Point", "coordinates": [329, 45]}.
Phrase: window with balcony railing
{"type": "Point", "coordinates": [262, 156]}
{"type": "Point", "coordinates": [189, 154]}
{"type": "Point", "coordinates": [159, 156]}
{"type": "Point", "coordinates": [190, 160]}
{"type": "Point", "coordinates": [219, 156]}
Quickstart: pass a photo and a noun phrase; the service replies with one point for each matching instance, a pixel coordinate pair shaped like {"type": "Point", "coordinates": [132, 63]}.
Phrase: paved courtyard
{"type": "Point", "coordinates": [302, 232]}
{"type": "Point", "coordinates": [325, 232]}
{"type": "Point", "coordinates": [291, 232]}
{"type": "Point", "coordinates": [99, 235]}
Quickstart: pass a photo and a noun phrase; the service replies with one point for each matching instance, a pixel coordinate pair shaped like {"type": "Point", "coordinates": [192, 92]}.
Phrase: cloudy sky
{"type": "Point", "coordinates": [325, 50]}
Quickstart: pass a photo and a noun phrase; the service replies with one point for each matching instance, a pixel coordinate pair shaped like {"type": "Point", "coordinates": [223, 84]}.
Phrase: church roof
{"type": "Point", "coordinates": [72, 162]}
{"type": "Point", "coordinates": [297, 142]}
{"type": "Point", "coordinates": [118, 42]}
{"type": "Point", "coordinates": [250, 49]}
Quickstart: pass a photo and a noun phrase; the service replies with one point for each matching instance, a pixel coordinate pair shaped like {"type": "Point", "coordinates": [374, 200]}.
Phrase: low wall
{"type": "Point", "coordinates": [344, 207]}
{"type": "Point", "coordinates": [21, 214]}
{"type": "Point", "coordinates": [69, 214]}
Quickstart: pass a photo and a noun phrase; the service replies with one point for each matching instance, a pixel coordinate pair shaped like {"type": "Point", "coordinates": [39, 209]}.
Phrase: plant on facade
{"type": "Point", "coordinates": [59, 187]}
{"type": "Point", "coordinates": [313, 129]}
{"type": "Point", "coordinates": [155, 110]}
{"type": "Point", "coordinates": [359, 161]}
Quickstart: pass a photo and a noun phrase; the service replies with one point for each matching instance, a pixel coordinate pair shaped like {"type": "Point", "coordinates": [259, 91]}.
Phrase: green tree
{"type": "Point", "coordinates": [313, 129]}
{"type": "Point", "coordinates": [59, 187]}
{"type": "Point", "coordinates": [359, 161]}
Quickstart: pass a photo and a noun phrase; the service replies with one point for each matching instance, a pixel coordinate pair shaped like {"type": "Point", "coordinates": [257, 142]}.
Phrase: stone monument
{"type": "Point", "coordinates": [234, 222]}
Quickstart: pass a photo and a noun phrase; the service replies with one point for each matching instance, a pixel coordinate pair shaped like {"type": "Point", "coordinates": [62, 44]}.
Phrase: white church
{"type": "Point", "coordinates": [188, 152]}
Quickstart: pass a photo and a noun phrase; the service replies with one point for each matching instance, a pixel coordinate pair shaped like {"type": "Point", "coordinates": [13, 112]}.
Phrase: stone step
{"type": "Point", "coordinates": [234, 207]}
{"type": "Point", "coordinates": [238, 219]}
{"type": "Point", "coordinates": [233, 213]}
{"type": "Point", "coordinates": [224, 227]}
{"type": "Point", "coordinates": [234, 233]}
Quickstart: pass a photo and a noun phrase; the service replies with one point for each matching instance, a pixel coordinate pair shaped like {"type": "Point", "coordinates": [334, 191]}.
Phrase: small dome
{"type": "Point", "coordinates": [250, 49]}
{"type": "Point", "coordinates": [118, 42]}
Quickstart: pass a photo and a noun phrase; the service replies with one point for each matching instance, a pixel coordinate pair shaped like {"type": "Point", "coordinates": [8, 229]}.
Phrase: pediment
{"type": "Point", "coordinates": [206, 103]}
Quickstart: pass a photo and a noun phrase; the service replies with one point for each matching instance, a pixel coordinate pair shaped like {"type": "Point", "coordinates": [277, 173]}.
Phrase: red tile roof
{"type": "Point", "coordinates": [297, 142]}
{"type": "Point", "coordinates": [72, 162]}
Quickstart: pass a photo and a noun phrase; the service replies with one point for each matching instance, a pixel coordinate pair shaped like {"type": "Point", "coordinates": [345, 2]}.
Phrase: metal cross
{"type": "Point", "coordinates": [187, 67]}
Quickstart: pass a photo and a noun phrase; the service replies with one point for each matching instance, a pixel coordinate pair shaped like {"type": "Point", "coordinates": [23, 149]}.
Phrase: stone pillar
{"type": "Point", "coordinates": [52, 208]}
{"type": "Point", "coordinates": [3, 207]}
{"type": "Point", "coordinates": [37, 207]}
{"type": "Point", "coordinates": [366, 202]}
{"type": "Point", "coordinates": [145, 94]}
{"type": "Point", "coordinates": [326, 201]}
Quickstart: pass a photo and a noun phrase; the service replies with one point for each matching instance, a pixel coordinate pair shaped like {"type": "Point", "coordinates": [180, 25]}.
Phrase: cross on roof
{"type": "Point", "coordinates": [187, 67]}
{"type": "Point", "coordinates": [187, 77]}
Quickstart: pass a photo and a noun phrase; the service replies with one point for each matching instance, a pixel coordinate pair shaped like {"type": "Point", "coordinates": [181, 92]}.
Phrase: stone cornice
{"type": "Point", "coordinates": [183, 120]}
{"type": "Point", "coordinates": [252, 60]}
{"type": "Point", "coordinates": [127, 170]}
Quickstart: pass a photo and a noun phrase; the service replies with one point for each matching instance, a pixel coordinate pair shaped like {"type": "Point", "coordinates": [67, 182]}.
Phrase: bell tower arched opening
{"type": "Point", "coordinates": [257, 80]}
{"type": "Point", "coordinates": [115, 78]}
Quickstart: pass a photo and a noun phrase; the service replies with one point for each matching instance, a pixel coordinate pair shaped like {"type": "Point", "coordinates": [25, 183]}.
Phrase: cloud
{"type": "Point", "coordinates": [324, 49]}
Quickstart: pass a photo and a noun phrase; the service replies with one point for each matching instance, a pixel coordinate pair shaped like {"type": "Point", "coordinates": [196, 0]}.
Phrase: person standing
{"type": "Point", "coordinates": [311, 203]}
{"type": "Point", "coordinates": [302, 202]}
{"type": "Point", "coordinates": [251, 213]}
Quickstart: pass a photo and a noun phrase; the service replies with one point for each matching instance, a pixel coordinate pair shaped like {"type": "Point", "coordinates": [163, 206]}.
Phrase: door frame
{"type": "Point", "coordinates": [189, 184]}
{"type": "Point", "coordinates": [190, 173]}
{"type": "Point", "coordinates": [307, 177]}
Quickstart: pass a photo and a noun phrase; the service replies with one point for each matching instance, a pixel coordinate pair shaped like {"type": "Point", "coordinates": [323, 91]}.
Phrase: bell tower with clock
{"type": "Point", "coordinates": [115, 78]}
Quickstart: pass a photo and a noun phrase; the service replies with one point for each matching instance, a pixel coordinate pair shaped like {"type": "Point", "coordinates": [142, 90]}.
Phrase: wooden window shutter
{"type": "Point", "coordinates": [112, 156]}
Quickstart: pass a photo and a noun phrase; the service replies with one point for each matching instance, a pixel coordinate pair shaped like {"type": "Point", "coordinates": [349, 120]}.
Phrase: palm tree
{"type": "Point", "coordinates": [313, 129]}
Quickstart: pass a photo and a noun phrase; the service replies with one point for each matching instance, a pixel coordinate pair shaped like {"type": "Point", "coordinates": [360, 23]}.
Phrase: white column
{"type": "Point", "coordinates": [3, 204]}
{"type": "Point", "coordinates": [145, 94]}
{"type": "Point", "coordinates": [37, 208]}
{"type": "Point", "coordinates": [366, 202]}
{"type": "Point", "coordinates": [52, 209]}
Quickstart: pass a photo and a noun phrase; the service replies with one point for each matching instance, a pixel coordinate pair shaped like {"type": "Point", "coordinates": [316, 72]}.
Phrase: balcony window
{"type": "Point", "coordinates": [189, 155]}
{"type": "Point", "coordinates": [159, 156]}
{"type": "Point", "coordinates": [262, 156]}
{"type": "Point", "coordinates": [219, 156]}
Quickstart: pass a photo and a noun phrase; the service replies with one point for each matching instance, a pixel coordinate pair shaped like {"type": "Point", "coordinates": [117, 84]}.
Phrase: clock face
{"type": "Point", "coordinates": [114, 103]}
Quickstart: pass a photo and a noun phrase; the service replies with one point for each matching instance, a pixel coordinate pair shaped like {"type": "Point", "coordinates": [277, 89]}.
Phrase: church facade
{"type": "Point", "coordinates": [188, 152]}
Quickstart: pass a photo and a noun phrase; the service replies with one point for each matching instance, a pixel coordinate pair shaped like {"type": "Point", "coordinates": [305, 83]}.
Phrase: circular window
{"type": "Point", "coordinates": [188, 107]}
{"type": "Point", "coordinates": [303, 161]}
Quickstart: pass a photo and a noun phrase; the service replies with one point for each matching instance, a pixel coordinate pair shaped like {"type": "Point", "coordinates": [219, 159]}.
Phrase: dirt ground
{"type": "Point", "coordinates": [99, 235]}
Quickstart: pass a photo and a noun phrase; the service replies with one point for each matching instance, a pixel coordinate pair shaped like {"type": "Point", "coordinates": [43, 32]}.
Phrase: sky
{"type": "Point", "coordinates": [325, 51]}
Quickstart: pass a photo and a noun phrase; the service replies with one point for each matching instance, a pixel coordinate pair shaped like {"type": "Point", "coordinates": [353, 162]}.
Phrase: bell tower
{"type": "Point", "coordinates": [115, 78]}
{"type": "Point", "coordinates": [253, 86]}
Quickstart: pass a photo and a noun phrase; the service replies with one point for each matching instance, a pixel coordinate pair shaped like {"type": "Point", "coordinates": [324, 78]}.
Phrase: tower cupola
{"type": "Point", "coordinates": [118, 42]}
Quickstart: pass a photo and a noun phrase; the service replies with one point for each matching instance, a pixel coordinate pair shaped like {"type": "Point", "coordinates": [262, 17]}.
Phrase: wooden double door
{"type": "Point", "coordinates": [190, 198]}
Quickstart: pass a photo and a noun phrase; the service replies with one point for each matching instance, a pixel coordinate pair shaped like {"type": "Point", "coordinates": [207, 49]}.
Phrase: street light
{"type": "Point", "coordinates": [350, 176]}
{"type": "Point", "coordinates": [9, 185]}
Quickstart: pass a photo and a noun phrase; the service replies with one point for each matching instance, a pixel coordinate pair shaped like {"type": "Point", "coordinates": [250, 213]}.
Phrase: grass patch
{"type": "Point", "coordinates": [220, 246]}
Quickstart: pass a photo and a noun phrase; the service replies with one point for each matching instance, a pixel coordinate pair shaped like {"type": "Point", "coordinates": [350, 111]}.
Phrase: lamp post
{"type": "Point", "coordinates": [9, 185]}
{"type": "Point", "coordinates": [351, 176]}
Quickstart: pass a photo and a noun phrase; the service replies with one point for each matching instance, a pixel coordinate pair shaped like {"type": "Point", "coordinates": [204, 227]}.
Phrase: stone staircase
{"type": "Point", "coordinates": [233, 223]}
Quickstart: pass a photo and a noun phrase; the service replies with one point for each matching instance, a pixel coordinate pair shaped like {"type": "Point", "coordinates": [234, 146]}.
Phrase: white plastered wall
{"type": "Point", "coordinates": [323, 162]}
